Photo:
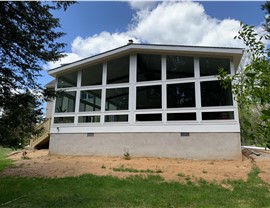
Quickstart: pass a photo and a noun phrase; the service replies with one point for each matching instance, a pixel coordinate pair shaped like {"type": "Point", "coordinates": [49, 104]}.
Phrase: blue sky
{"type": "Point", "coordinates": [94, 27]}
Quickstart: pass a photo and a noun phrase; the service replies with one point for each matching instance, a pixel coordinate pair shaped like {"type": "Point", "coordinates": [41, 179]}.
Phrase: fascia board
{"type": "Point", "coordinates": [236, 53]}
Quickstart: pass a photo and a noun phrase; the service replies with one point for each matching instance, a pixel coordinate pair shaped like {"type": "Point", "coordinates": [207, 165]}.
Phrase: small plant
{"type": "Point", "coordinates": [126, 155]}
{"type": "Point", "coordinates": [205, 171]}
{"type": "Point", "coordinates": [181, 175]}
{"type": "Point", "coordinates": [103, 166]}
{"type": "Point", "coordinates": [24, 157]}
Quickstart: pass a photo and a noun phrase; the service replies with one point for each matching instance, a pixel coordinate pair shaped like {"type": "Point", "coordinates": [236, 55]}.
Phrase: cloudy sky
{"type": "Point", "coordinates": [95, 27]}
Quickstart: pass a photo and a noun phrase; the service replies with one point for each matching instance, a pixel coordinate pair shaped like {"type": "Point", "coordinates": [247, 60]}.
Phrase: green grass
{"type": "Point", "coordinates": [131, 170]}
{"type": "Point", "coordinates": [4, 162]}
{"type": "Point", "coordinates": [108, 191]}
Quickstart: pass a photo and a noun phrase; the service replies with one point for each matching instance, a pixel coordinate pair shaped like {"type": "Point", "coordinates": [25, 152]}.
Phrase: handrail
{"type": "Point", "coordinates": [45, 126]}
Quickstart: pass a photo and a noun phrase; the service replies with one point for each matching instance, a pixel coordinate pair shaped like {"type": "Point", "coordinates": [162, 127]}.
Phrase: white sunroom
{"type": "Point", "coordinates": [152, 100]}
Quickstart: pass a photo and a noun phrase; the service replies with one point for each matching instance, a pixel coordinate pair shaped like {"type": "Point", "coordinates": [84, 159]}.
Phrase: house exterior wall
{"type": "Point", "coordinates": [205, 146]}
{"type": "Point", "coordinates": [120, 114]}
{"type": "Point", "coordinates": [49, 109]}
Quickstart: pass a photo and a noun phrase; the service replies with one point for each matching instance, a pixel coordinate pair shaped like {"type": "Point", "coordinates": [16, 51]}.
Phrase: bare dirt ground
{"type": "Point", "coordinates": [39, 164]}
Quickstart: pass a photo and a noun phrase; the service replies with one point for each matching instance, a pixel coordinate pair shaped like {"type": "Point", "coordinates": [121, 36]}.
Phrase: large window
{"type": "Point", "coordinates": [117, 99]}
{"type": "Point", "coordinates": [92, 75]}
{"type": "Point", "coordinates": [90, 100]}
{"type": "Point", "coordinates": [148, 67]}
{"type": "Point", "coordinates": [118, 70]}
{"type": "Point", "coordinates": [67, 80]}
{"type": "Point", "coordinates": [213, 94]}
{"type": "Point", "coordinates": [149, 97]}
{"type": "Point", "coordinates": [65, 102]}
{"type": "Point", "coordinates": [210, 66]}
{"type": "Point", "coordinates": [181, 95]}
{"type": "Point", "coordinates": [179, 67]}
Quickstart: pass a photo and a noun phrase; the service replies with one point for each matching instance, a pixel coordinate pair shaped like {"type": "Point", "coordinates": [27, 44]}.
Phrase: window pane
{"type": "Point", "coordinates": [212, 94]}
{"type": "Point", "coordinates": [117, 99]}
{"type": "Point", "coordinates": [229, 115]}
{"type": "Point", "coordinates": [65, 102]}
{"type": "Point", "coordinates": [118, 70]}
{"type": "Point", "coordinates": [67, 80]}
{"type": "Point", "coordinates": [89, 119]}
{"type": "Point", "coordinates": [116, 118]}
{"type": "Point", "coordinates": [181, 116]}
{"type": "Point", "coordinates": [181, 95]}
{"type": "Point", "coordinates": [210, 66]}
{"type": "Point", "coordinates": [179, 67]}
{"type": "Point", "coordinates": [148, 97]}
{"type": "Point", "coordinates": [90, 100]}
{"type": "Point", "coordinates": [63, 120]}
{"type": "Point", "coordinates": [148, 117]}
{"type": "Point", "coordinates": [148, 67]}
{"type": "Point", "coordinates": [92, 75]}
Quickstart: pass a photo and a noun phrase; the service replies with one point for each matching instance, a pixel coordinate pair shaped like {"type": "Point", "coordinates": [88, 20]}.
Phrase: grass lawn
{"type": "Point", "coordinates": [4, 162]}
{"type": "Point", "coordinates": [107, 191]}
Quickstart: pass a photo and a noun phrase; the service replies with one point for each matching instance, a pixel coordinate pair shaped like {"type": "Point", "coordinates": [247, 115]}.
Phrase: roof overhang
{"type": "Point", "coordinates": [235, 53]}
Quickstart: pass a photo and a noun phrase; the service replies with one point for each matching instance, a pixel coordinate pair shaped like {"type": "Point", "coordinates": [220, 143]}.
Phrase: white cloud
{"type": "Point", "coordinates": [85, 47]}
{"type": "Point", "coordinates": [70, 57]}
{"type": "Point", "coordinates": [139, 5]}
{"type": "Point", "coordinates": [183, 23]}
{"type": "Point", "coordinates": [99, 43]}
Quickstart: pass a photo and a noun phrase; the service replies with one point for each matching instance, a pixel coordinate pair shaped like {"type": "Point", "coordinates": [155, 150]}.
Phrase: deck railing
{"type": "Point", "coordinates": [43, 130]}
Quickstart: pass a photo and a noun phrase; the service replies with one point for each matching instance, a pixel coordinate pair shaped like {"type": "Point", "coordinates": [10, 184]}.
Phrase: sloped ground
{"type": "Point", "coordinates": [38, 163]}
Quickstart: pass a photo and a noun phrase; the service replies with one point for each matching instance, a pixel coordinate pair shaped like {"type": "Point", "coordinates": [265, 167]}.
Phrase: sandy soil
{"type": "Point", "coordinates": [40, 164]}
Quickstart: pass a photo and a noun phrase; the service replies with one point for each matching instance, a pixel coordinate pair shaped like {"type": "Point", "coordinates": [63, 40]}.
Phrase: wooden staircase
{"type": "Point", "coordinates": [43, 136]}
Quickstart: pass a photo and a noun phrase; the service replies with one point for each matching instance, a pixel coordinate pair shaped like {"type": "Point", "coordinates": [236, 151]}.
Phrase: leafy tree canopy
{"type": "Point", "coordinates": [251, 85]}
{"type": "Point", "coordinates": [27, 40]}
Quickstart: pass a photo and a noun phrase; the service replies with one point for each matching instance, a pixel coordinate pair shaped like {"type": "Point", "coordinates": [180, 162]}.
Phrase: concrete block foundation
{"type": "Point", "coordinates": [204, 146]}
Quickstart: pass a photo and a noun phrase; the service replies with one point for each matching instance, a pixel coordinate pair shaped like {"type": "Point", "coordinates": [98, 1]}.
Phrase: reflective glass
{"type": "Point", "coordinates": [213, 94]}
{"type": "Point", "coordinates": [92, 75]}
{"type": "Point", "coordinates": [116, 118]}
{"type": "Point", "coordinates": [179, 67]}
{"type": "Point", "coordinates": [65, 102]}
{"type": "Point", "coordinates": [148, 97]}
{"type": "Point", "coordinates": [67, 80]}
{"type": "Point", "coordinates": [210, 66]}
{"type": "Point", "coordinates": [148, 67]}
{"type": "Point", "coordinates": [90, 100]}
{"type": "Point", "coordinates": [118, 70]}
{"type": "Point", "coordinates": [117, 99]}
{"type": "Point", "coordinates": [181, 95]}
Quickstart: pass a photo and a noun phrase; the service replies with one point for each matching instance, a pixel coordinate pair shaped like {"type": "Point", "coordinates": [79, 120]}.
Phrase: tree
{"type": "Point", "coordinates": [28, 39]}
{"type": "Point", "coordinates": [20, 115]}
{"type": "Point", "coordinates": [251, 85]}
{"type": "Point", "coordinates": [266, 7]}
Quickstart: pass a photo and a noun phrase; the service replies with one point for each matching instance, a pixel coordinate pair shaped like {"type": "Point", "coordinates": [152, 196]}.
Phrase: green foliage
{"type": "Point", "coordinates": [28, 33]}
{"type": "Point", "coordinates": [21, 114]}
{"type": "Point", "coordinates": [4, 161]}
{"type": "Point", "coordinates": [251, 86]}
{"type": "Point", "coordinates": [266, 7]}
{"type": "Point", "coordinates": [107, 191]}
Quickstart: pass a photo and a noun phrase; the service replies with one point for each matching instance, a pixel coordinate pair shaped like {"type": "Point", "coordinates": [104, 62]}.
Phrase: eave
{"type": "Point", "coordinates": [236, 53]}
